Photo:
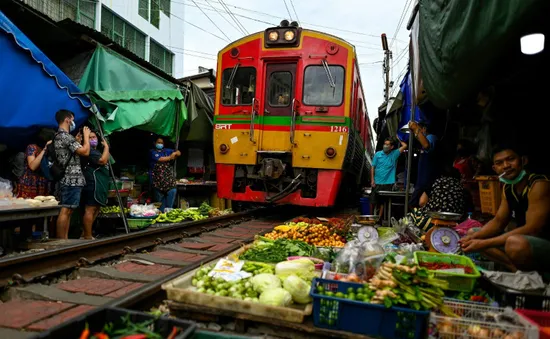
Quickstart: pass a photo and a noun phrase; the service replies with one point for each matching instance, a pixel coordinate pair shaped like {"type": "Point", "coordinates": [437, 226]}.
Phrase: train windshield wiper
{"type": "Point", "coordinates": [329, 74]}
{"type": "Point", "coordinates": [232, 76]}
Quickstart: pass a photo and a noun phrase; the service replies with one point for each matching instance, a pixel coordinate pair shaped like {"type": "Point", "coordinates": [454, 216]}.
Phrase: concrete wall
{"type": "Point", "coordinates": [170, 31]}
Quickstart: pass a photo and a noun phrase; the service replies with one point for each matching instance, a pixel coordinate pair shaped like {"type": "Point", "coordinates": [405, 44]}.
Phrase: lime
{"type": "Point", "coordinates": [329, 294]}
{"type": "Point", "coordinates": [359, 290]}
{"type": "Point", "coordinates": [351, 290]}
{"type": "Point", "coordinates": [320, 289]}
{"type": "Point", "coordinates": [351, 296]}
{"type": "Point", "coordinates": [331, 322]}
{"type": "Point", "coordinates": [360, 296]}
{"type": "Point", "coordinates": [340, 295]}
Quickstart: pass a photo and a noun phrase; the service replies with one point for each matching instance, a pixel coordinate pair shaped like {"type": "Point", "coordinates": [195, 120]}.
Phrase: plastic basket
{"type": "Point", "coordinates": [489, 193]}
{"type": "Point", "coordinates": [475, 315]}
{"type": "Point", "coordinates": [137, 224]}
{"type": "Point", "coordinates": [540, 319]}
{"type": "Point", "coordinates": [457, 282]}
{"type": "Point", "coordinates": [97, 319]}
{"type": "Point", "coordinates": [516, 299]}
{"type": "Point", "coordinates": [364, 318]}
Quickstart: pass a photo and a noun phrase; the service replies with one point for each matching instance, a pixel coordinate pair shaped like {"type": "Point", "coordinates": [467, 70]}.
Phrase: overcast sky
{"type": "Point", "coordinates": [358, 21]}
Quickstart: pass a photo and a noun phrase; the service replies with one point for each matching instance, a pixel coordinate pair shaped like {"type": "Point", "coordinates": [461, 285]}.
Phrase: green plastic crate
{"type": "Point", "coordinates": [457, 282]}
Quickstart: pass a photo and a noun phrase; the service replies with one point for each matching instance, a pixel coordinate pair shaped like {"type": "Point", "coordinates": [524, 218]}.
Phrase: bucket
{"type": "Point", "coordinates": [365, 205]}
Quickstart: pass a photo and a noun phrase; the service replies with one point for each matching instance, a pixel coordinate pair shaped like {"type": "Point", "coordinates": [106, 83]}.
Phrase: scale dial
{"type": "Point", "coordinates": [445, 240]}
{"type": "Point", "coordinates": [367, 233]}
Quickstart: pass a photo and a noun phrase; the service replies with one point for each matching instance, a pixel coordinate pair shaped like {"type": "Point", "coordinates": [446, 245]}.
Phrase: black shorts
{"type": "Point", "coordinates": [375, 198]}
{"type": "Point", "coordinates": [88, 195]}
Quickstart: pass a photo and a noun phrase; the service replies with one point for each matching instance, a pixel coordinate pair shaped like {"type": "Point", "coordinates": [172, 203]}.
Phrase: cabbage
{"type": "Point", "coordinates": [298, 288]}
{"type": "Point", "coordinates": [302, 268]}
{"type": "Point", "coordinates": [265, 281]}
{"type": "Point", "coordinates": [276, 297]}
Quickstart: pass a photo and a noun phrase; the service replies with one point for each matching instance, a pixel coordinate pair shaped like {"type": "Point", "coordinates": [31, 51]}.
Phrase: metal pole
{"type": "Point", "coordinates": [112, 173]}
{"type": "Point", "coordinates": [411, 136]}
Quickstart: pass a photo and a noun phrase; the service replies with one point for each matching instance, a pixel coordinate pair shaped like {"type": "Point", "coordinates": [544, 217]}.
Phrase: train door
{"type": "Point", "coordinates": [278, 103]}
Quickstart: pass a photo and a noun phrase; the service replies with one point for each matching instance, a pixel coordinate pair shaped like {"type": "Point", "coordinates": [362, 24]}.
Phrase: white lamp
{"type": "Point", "coordinates": [532, 43]}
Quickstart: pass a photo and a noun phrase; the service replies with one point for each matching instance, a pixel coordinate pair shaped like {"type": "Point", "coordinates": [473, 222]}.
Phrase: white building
{"type": "Point", "coordinates": [151, 29]}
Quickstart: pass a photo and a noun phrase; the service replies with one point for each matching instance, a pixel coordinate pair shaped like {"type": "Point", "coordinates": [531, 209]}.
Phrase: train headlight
{"type": "Point", "coordinates": [273, 36]}
{"type": "Point", "coordinates": [224, 148]}
{"type": "Point", "coordinates": [330, 152]}
{"type": "Point", "coordinates": [289, 35]}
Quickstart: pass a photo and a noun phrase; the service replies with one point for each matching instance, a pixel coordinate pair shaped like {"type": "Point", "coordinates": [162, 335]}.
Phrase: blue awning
{"type": "Point", "coordinates": [406, 90]}
{"type": "Point", "coordinates": [32, 89]}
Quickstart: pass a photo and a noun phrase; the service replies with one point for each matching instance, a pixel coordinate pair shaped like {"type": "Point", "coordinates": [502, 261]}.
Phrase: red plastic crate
{"type": "Point", "coordinates": [539, 319]}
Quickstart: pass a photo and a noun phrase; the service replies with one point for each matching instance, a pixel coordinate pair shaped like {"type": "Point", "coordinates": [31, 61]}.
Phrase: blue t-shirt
{"type": "Point", "coordinates": [384, 167]}
{"type": "Point", "coordinates": [428, 169]}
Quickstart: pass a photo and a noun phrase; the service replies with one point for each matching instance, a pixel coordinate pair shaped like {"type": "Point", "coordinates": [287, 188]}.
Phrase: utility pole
{"type": "Point", "coordinates": [386, 65]}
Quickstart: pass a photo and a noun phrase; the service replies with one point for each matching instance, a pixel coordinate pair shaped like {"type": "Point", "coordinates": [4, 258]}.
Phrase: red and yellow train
{"type": "Point", "coordinates": [291, 125]}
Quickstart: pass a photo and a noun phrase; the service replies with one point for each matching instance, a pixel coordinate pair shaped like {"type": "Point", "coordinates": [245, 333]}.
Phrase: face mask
{"type": "Point", "coordinates": [514, 181]}
{"type": "Point", "coordinates": [159, 146]}
{"type": "Point", "coordinates": [72, 126]}
{"type": "Point", "coordinates": [386, 148]}
{"type": "Point", "coordinates": [93, 143]}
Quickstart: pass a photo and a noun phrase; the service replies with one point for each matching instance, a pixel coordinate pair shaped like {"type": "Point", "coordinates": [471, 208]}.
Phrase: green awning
{"type": "Point", "coordinates": [461, 42]}
{"type": "Point", "coordinates": [152, 111]}
{"type": "Point", "coordinates": [129, 96]}
{"type": "Point", "coordinates": [201, 112]}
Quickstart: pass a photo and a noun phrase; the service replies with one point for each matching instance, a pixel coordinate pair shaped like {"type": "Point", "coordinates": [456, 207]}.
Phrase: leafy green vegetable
{"type": "Point", "coordinates": [270, 251]}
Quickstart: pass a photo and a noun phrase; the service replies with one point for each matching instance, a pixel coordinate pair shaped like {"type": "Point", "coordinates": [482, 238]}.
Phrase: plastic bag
{"type": "Point", "coordinates": [360, 259]}
{"type": "Point", "coordinates": [143, 211]}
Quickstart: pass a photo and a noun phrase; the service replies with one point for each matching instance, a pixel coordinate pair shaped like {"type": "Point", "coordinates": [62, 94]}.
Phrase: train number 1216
{"type": "Point", "coordinates": [342, 129]}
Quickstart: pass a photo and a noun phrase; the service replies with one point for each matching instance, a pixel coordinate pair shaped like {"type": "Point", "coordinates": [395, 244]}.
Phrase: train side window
{"type": "Point", "coordinates": [242, 87]}
{"type": "Point", "coordinates": [317, 88]}
{"type": "Point", "coordinates": [280, 89]}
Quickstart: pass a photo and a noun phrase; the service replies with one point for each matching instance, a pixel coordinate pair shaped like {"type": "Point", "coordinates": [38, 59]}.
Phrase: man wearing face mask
{"type": "Point", "coordinates": [383, 168]}
{"type": "Point", "coordinates": [526, 198]}
{"type": "Point", "coordinates": [68, 152]}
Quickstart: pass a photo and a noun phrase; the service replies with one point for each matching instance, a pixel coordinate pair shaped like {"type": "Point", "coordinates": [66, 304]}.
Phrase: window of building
{"type": "Point", "coordinates": [238, 85]}
{"type": "Point", "coordinates": [155, 13]}
{"type": "Point", "coordinates": [317, 89]}
{"type": "Point", "coordinates": [165, 7]}
{"type": "Point", "coordinates": [161, 57]}
{"type": "Point", "coordinates": [120, 31]}
{"type": "Point", "coordinates": [280, 87]}
{"type": "Point", "coordinates": [81, 11]}
{"type": "Point", "coordinates": [143, 9]}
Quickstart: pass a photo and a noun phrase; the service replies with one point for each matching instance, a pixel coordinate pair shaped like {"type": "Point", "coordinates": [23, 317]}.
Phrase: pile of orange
{"type": "Point", "coordinates": [317, 235]}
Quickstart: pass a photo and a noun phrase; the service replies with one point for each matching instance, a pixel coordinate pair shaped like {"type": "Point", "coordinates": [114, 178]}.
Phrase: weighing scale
{"type": "Point", "coordinates": [367, 233]}
{"type": "Point", "coordinates": [442, 237]}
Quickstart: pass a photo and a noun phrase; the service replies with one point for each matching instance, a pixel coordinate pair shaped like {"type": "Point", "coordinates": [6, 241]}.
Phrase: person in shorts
{"type": "Point", "coordinates": [383, 169]}
{"type": "Point", "coordinates": [68, 152]}
{"type": "Point", "coordinates": [525, 198]}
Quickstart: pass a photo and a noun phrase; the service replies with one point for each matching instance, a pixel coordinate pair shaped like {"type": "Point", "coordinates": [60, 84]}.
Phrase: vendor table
{"type": "Point", "coordinates": [388, 202]}
{"type": "Point", "coordinates": [30, 213]}
{"type": "Point", "coordinates": [195, 189]}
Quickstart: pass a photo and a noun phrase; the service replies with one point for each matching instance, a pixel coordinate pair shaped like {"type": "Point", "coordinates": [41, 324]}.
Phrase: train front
{"type": "Point", "coordinates": [282, 117]}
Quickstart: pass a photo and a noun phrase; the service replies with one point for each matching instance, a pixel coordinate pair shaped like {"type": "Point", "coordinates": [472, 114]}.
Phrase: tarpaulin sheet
{"type": "Point", "coordinates": [152, 111]}
{"type": "Point", "coordinates": [137, 99]}
{"type": "Point", "coordinates": [32, 89]}
{"type": "Point", "coordinates": [401, 117]}
{"type": "Point", "coordinates": [201, 112]}
{"type": "Point", "coordinates": [460, 42]}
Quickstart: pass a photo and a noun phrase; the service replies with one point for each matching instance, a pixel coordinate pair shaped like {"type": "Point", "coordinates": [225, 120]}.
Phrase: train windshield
{"type": "Point", "coordinates": [323, 90]}
{"type": "Point", "coordinates": [238, 85]}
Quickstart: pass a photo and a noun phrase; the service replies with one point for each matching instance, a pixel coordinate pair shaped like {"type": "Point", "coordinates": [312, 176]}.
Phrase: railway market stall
{"type": "Point", "coordinates": [24, 64]}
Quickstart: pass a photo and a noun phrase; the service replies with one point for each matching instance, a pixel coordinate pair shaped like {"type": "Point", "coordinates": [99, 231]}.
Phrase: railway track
{"type": "Point", "coordinates": [44, 289]}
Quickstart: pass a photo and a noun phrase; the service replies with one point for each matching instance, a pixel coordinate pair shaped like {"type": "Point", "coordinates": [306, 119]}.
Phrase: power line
{"type": "Point", "coordinates": [233, 16]}
{"type": "Point", "coordinates": [401, 19]}
{"type": "Point", "coordinates": [289, 15]}
{"type": "Point", "coordinates": [229, 22]}
{"type": "Point", "coordinates": [212, 21]}
{"type": "Point", "coordinates": [204, 30]}
{"type": "Point", "coordinates": [304, 23]}
{"type": "Point", "coordinates": [294, 9]}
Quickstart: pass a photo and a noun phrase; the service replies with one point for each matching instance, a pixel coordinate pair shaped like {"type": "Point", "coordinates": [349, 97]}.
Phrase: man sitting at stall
{"type": "Point", "coordinates": [383, 168]}
{"type": "Point", "coordinates": [525, 197]}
